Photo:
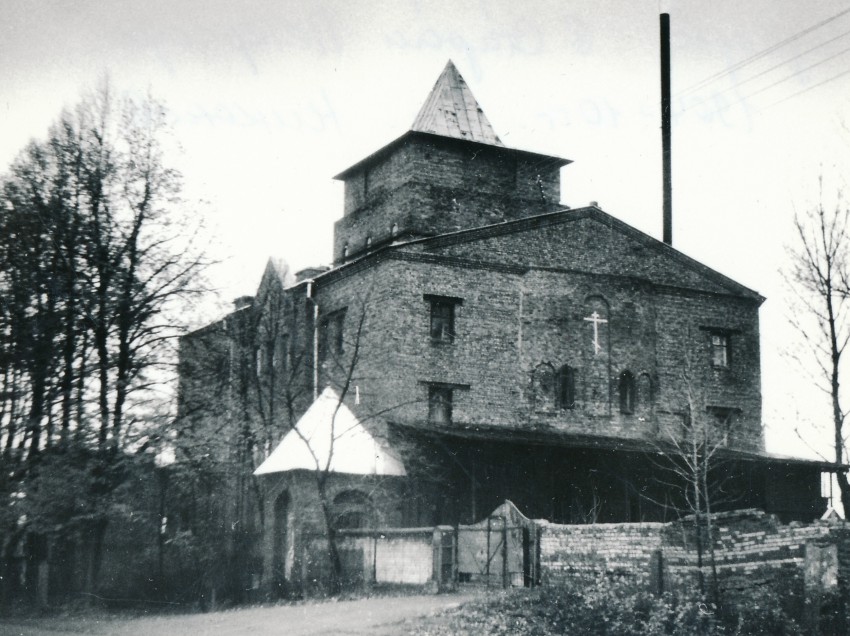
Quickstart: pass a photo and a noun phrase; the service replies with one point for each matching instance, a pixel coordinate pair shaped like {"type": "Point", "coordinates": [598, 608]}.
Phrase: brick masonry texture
{"type": "Point", "coordinates": [752, 550]}
{"type": "Point", "coordinates": [432, 216]}
{"type": "Point", "coordinates": [509, 323]}
{"type": "Point", "coordinates": [568, 551]}
{"type": "Point", "coordinates": [430, 185]}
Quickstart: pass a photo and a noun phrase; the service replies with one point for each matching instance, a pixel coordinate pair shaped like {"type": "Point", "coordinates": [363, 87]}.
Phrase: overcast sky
{"type": "Point", "coordinates": [271, 99]}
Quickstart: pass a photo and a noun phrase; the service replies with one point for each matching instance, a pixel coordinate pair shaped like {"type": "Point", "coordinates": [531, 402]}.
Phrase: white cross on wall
{"type": "Point", "coordinates": [596, 320]}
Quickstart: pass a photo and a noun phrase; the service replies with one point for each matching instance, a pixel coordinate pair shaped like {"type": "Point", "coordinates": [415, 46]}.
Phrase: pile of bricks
{"type": "Point", "coordinates": [751, 550]}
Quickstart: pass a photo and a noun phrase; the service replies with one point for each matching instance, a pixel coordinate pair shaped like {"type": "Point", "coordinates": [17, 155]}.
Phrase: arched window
{"type": "Point", "coordinates": [627, 392]}
{"type": "Point", "coordinates": [565, 385]}
{"type": "Point", "coordinates": [543, 387]}
{"type": "Point", "coordinates": [352, 509]}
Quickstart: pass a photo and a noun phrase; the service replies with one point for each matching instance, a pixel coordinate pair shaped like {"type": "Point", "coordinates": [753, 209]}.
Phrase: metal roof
{"type": "Point", "coordinates": [330, 436]}
{"type": "Point", "coordinates": [551, 437]}
{"type": "Point", "coordinates": [452, 111]}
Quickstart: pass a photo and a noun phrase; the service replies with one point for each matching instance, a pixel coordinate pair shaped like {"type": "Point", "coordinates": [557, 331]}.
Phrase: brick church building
{"type": "Point", "coordinates": [474, 341]}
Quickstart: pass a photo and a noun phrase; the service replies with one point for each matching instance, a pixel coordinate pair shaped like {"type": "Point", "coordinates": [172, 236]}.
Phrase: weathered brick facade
{"type": "Point", "coordinates": [470, 317]}
{"type": "Point", "coordinates": [425, 185]}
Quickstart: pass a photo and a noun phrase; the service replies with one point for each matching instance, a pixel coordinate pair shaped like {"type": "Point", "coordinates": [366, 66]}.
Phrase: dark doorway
{"type": "Point", "coordinates": [280, 531]}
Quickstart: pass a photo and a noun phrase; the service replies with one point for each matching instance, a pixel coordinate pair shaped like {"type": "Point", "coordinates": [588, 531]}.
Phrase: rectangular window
{"type": "Point", "coordinates": [566, 387]}
{"type": "Point", "coordinates": [439, 404]}
{"type": "Point", "coordinates": [720, 350]}
{"type": "Point", "coordinates": [442, 324]}
{"type": "Point", "coordinates": [723, 420]}
{"type": "Point", "coordinates": [331, 342]}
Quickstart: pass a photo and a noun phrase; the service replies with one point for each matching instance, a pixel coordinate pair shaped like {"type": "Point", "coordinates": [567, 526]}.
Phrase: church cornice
{"type": "Point", "coordinates": [411, 135]}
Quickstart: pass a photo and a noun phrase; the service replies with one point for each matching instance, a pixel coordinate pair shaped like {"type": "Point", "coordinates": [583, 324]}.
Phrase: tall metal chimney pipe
{"type": "Point", "coordinates": [666, 131]}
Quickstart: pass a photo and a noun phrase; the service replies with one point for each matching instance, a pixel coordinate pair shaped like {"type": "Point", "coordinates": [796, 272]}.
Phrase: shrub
{"type": "Point", "coordinates": [758, 611]}
{"type": "Point", "coordinates": [606, 607]}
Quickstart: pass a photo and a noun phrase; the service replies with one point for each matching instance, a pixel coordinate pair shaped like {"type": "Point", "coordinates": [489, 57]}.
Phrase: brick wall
{"type": "Point", "coordinates": [427, 185]}
{"type": "Point", "coordinates": [294, 546]}
{"type": "Point", "coordinates": [752, 549]}
{"type": "Point", "coordinates": [513, 321]}
{"type": "Point", "coordinates": [753, 552]}
{"type": "Point", "coordinates": [615, 549]}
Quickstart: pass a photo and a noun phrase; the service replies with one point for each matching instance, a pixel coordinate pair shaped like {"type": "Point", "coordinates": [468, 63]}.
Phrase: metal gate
{"type": "Point", "coordinates": [499, 550]}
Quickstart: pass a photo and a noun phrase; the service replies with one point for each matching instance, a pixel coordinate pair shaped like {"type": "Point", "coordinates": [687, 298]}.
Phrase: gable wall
{"type": "Point", "coordinates": [579, 243]}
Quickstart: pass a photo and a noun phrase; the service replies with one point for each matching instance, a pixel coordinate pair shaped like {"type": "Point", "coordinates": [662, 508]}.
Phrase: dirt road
{"type": "Point", "coordinates": [381, 616]}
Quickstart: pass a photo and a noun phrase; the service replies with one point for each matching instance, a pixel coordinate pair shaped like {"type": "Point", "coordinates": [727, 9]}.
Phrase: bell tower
{"type": "Point", "coordinates": [449, 172]}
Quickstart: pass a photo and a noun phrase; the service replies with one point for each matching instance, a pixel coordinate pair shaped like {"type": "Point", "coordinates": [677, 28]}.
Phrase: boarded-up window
{"type": "Point", "coordinates": [439, 404]}
{"type": "Point", "coordinates": [331, 343]}
{"type": "Point", "coordinates": [722, 422]}
{"type": "Point", "coordinates": [565, 385]}
{"type": "Point", "coordinates": [543, 387]}
{"type": "Point", "coordinates": [627, 392]}
{"type": "Point", "coordinates": [353, 509]}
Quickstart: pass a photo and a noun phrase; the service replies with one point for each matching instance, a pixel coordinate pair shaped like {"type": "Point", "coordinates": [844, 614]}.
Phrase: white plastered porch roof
{"type": "Point", "coordinates": [324, 428]}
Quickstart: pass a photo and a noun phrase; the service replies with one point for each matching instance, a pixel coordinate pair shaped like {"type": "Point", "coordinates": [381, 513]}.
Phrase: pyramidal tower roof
{"type": "Point", "coordinates": [452, 111]}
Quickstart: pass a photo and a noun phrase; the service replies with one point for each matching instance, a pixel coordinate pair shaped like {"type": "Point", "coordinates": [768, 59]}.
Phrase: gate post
{"type": "Point", "coordinates": [505, 573]}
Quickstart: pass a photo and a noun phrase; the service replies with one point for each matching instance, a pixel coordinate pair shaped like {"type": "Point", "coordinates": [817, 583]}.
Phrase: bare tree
{"type": "Point", "coordinates": [819, 277]}
{"type": "Point", "coordinates": [691, 466]}
{"type": "Point", "coordinates": [97, 261]}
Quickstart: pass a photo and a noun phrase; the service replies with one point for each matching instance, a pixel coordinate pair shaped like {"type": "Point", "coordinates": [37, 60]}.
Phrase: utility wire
{"type": "Point", "coordinates": [784, 79]}
{"type": "Point", "coordinates": [807, 89]}
{"type": "Point", "coordinates": [761, 54]}
{"type": "Point", "coordinates": [796, 73]}
{"type": "Point", "coordinates": [773, 68]}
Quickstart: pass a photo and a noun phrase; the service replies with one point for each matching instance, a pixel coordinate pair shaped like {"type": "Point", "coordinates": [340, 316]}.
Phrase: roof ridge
{"type": "Point", "coordinates": [451, 110]}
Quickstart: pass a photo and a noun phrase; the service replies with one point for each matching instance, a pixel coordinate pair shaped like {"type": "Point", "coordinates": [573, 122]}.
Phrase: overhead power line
{"type": "Point", "coordinates": [801, 71]}
{"type": "Point", "coordinates": [779, 81]}
{"type": "Point", "coordinates": [781, 64]}
{"type": "Point", "coordinates": [807, 89]}
{"type": "Point", "coordinates": [757, 56]}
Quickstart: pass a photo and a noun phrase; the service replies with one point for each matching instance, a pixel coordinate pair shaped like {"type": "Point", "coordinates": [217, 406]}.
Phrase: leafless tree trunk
{"type": "Point", "coordinates": [688, 461]}
{"type": "Point", "coordinates": [819, 276]}
{"type": "Point", "coordinates": [92, 266]}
